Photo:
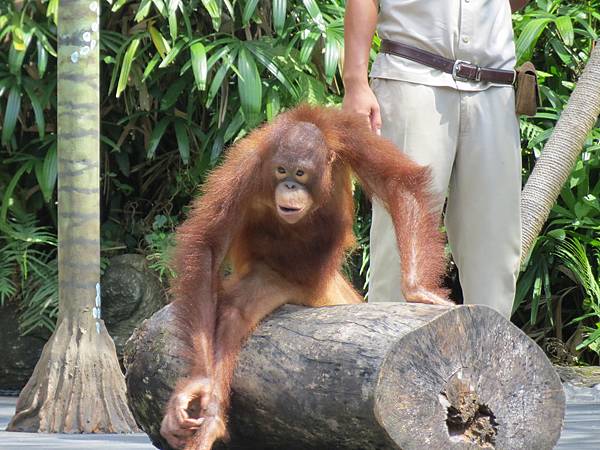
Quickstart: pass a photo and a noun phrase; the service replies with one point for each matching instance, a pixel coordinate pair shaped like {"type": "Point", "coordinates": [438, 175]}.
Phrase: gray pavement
{"type": "Point", "coordinates": [17, 441]}
{"type": "Point", "coordinates": [581, 429]}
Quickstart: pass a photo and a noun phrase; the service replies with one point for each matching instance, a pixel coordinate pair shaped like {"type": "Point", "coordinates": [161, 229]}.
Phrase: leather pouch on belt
{"type": "Point", "coordinates": [527, 95]}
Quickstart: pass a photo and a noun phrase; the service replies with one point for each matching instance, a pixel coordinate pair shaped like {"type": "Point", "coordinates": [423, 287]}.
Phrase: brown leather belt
{"type": "Point", "coordinates": [459, 69]}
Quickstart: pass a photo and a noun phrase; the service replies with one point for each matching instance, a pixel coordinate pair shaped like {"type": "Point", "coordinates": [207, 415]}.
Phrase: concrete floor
{"type": "Point", "coordinates": [581, 430]}
{"type": "Point", "coordinates": [17, 441]}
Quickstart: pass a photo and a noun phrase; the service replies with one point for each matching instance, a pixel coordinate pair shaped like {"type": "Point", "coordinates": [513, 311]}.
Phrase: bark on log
{"type": "Point", "coordinates": [376, 376]}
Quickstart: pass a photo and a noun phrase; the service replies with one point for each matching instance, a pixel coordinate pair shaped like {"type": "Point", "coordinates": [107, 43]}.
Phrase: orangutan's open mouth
{"type": "Point", "coordinates": [290, 214]}
{"type": "Point", "coordinates": [289, 209]}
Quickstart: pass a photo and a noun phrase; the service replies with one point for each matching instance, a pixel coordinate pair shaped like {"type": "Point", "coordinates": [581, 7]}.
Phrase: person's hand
{"type": "Point", "coordinates": [181, 417]}
{"type": "Point", "coordinates": [360, 99]}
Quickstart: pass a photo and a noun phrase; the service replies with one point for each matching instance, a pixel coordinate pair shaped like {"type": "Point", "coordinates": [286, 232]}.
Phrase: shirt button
{"type": "Point", "coordinates": [465, 39]}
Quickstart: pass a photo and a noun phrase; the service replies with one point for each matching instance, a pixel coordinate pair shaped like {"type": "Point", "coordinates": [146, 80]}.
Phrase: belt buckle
{"type": "Point", "coordinates": [459, 64]}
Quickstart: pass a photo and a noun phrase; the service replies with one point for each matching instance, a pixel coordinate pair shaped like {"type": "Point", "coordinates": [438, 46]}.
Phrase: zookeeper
{"type": "Point", "coordinates": [442, 91]}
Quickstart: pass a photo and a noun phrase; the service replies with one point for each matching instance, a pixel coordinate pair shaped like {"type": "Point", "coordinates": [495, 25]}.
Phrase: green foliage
{"type": "Point", "coordinates": [183, 79]}
{"type": "Point", "coordinates": [573, 254]}
{"type": "Point", "coordinates": [161, 243]}
{"type": "Point", "coordinates": [556, 294]}
{"type": "Point", "coordinates": [28, 271]}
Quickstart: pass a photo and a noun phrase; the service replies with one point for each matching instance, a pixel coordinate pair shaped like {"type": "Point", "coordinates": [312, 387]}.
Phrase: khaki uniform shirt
{"type": "Point", "coordinates": [478, 31]}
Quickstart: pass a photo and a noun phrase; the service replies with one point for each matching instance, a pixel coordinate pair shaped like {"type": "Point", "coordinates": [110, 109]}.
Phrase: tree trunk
{"type": "Point", "coordinates": [77, 385]}
{"type": "Point", "coordinates": [552, 169]}
{"type": "Point", "coordinates": [377, 376]}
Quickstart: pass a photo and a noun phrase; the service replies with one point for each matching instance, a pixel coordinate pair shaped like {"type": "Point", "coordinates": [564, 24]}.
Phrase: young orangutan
{"type": "Point", "coordinates": [280, 211]}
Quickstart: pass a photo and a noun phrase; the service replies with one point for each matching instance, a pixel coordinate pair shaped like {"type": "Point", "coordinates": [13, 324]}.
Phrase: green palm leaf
{"type": "Point", "coordinates": [13, 107]}
{"type": "Point", "coordinates": [529, 36]}
{"type": "Point", "coordinates": [249, 86]}
{"type": "Point", "coordinates": [126, 67]}
{"type": "Point", "coordinates": [279, 11]}
{"type": "Point", "coordinates": [199, 64]}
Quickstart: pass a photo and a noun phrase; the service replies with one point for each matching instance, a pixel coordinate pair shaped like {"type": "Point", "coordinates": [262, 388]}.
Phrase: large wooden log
{"type": "Point", "coordinates": [376, 376]}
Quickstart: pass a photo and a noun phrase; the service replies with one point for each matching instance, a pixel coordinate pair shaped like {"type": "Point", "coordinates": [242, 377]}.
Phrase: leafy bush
{"type": "Point", "coordinates": [556, 302]}
{"type": "Point", "coordinates": [182, 79]}
{"type": "Point", "coordinates": [29, 271]}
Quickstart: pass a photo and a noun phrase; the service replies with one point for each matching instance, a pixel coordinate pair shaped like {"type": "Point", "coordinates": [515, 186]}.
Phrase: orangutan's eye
{"type": "Point", "coordinates": [299, 173]}
{"type": "Point", "coordinates": [280, 170]}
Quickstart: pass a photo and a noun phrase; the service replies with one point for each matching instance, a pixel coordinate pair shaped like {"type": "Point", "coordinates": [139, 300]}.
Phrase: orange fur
{"type": "Point", "coordinates": [274, 262]}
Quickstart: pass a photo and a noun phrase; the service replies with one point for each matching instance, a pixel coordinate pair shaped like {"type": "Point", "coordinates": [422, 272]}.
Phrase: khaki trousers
{"type": "Point", "coordinates": [471, 142]}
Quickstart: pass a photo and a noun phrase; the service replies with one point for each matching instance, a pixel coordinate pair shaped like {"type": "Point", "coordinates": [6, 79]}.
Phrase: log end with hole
{"type": "Point", "coordinates": [469, 379]}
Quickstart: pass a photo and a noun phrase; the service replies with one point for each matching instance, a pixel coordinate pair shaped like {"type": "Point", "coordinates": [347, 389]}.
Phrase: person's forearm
{"type": "Point", "coordinates": [516, 5]}
{"type": "Point", "coordinates": [360, 21]}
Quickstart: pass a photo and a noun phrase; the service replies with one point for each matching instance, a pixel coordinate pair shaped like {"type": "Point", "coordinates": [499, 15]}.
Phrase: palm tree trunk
{"type": "Point", "coordinates": [77, 385]}
{"type": "Point", "coordinates": [560, 153]}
